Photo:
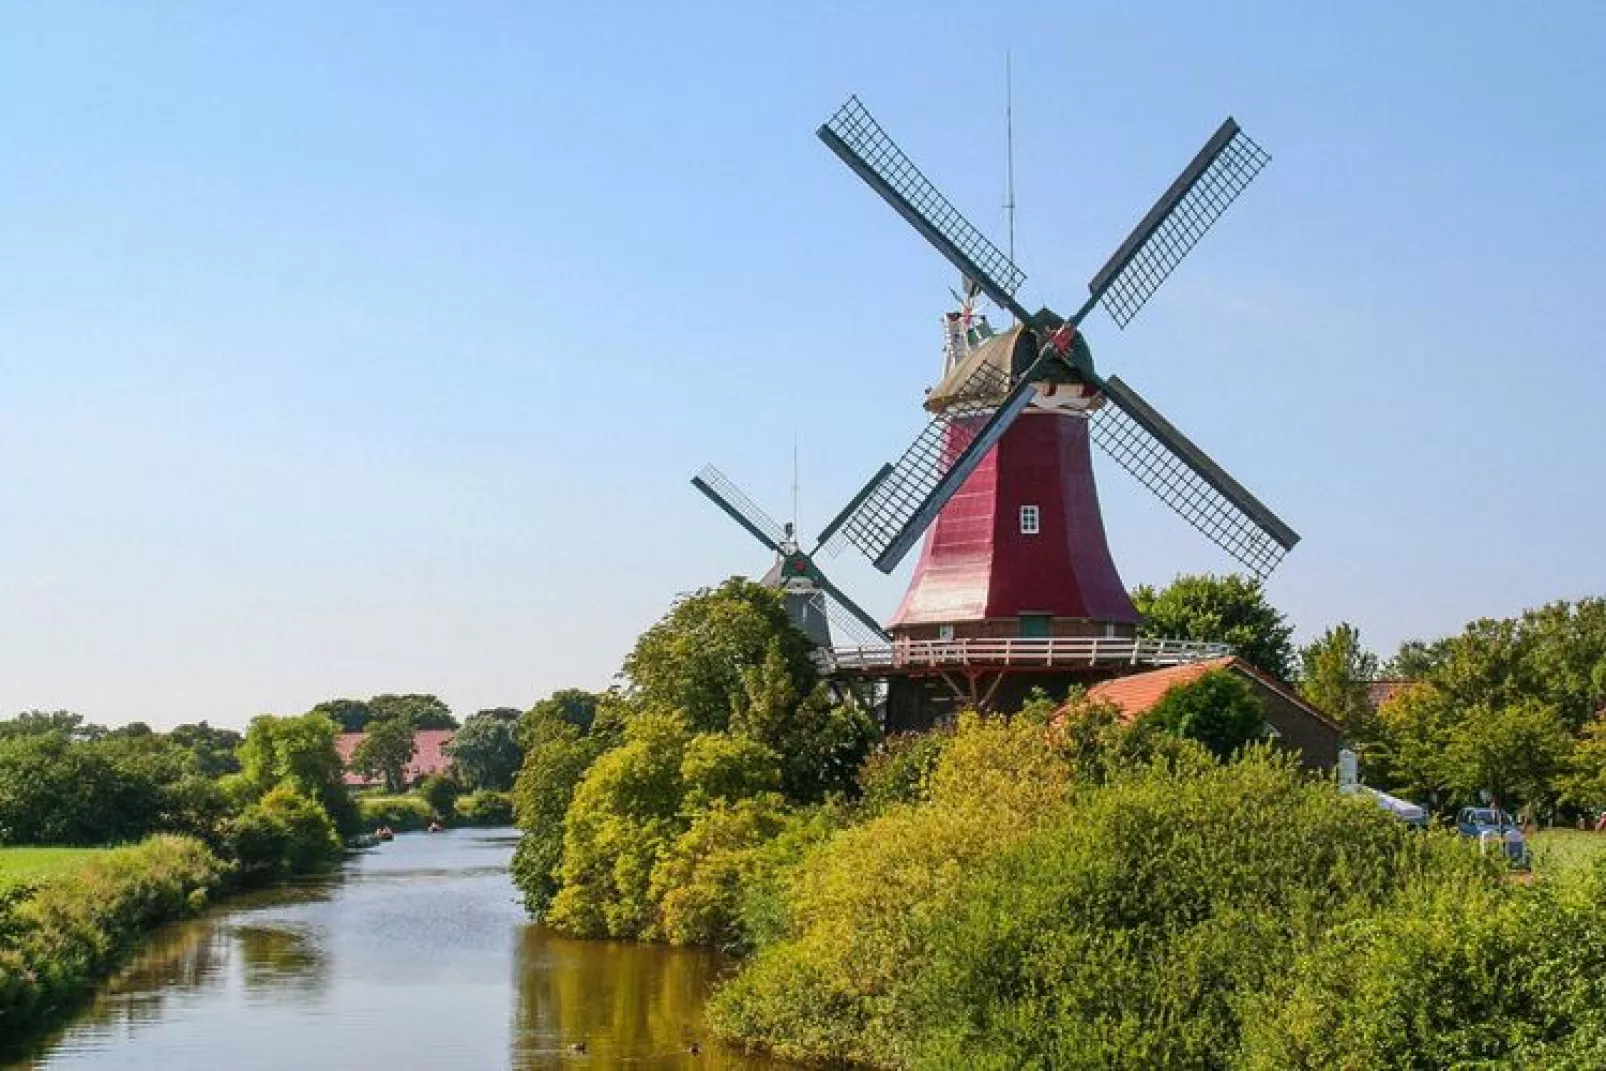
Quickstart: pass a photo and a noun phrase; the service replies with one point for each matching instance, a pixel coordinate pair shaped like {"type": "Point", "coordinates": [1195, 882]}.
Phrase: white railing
{"type": "Point", "coordinates": [1068, 652]}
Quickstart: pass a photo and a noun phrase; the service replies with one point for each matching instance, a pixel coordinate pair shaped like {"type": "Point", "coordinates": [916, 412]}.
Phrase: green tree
{"type": "Point", "coordinates": [421, 711]}
{"type": "Point", "coordinates": [1220, 609]}
{"type": "Point", "coordinates": [213, 749]}
{"type": "Point", "coordinates": [1219, 710]}
{"type": "Point", "coordinates": [300, 752]}
{"type": "Point", "coordinates": [695, 658]}
{"type": "Point", "coordinates": [352, 715]}
{"type": "Point", "coordinates": [557, 754]}
{"type": "Point", "coordinates": [573, 705]}
{"type": "Point", "coordinates": [63, 723]}
{"type": "Point", "coordinates": [1584, 785]}
{"type": "Point", "coordinates": [1413, 727]}
{"type": "Point", "coordinates": [1334, 672]}
{"type": "Point", "coordinates": [1415, 659]}
{"type": "Point", "coordinates": [1517, 752]}
{"type": "Point", "coordinates": [485, 751]}
{"type": "Point", "coordinates": [386, 751]}
{"type": "Point", "coordinates": [821, 742]}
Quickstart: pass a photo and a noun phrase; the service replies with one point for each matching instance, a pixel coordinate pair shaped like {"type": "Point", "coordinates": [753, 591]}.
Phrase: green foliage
{"type": "Point", "coordinates": [57, 939]}
{"type": "Point", "coordinates": [572, 705]}
{"type": "Point", "coordinates": [385, 752]}
{"type": "Point", "coordinates": [1584, 784]}
{"type": "Point", "coordinates": [299, 752]}
{"type": "Point", "coordinates": [1451, 976]}
{"type": "Point", "coordinates": [485, 751]}
{"type": "Point", "coordinates": [556, 756]}
{"type": "Point", "coordinates": [419, 711]}
{"type": "Point", "coordinates": [699, 880]}
{"type": "Point", "coordinates": [399, 813]}
{"type": "Point", "coordinates": [284, 833]}
{"type": "Point", "coordinates": [821, 742]}
{"type": "Point", "coordinates": [1219, 710]}
{"type": "Point", "coordinates": [1024, 916]}
{"type": "Point", "coordinates": [1220, 609]}
{"type": "Point", "coordinates": [352, 715]}
{"type": "Point", "coordinates": [1415, 660]}
{"type": "Point", "coordinates": [858, 906]}
{"type": "Point", "coordinates": [212, 749]}
{"type": "Point", "coordinates": [1518, 753]}
{"type": "Point", "coordinates": [440, 793]}
{"type": "Point", "coordinates": [1411, 733]}
{"type": "Point", "coordinates": [898, 769]}
{"type": "Point", "coordinates": [485, 808]}
{"type": "Point", "coordinates": [1334, 670]}
{"type": "Point", "coordinates": [695, 659]}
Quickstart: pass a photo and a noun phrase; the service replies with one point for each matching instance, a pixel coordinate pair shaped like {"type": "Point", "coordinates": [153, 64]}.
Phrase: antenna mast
{"type": "Point", "coordinates": [1009, 152]}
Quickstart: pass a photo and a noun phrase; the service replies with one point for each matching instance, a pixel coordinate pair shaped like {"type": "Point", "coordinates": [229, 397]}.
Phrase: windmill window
{"type": "Point", "coordinates": [1029, 520]}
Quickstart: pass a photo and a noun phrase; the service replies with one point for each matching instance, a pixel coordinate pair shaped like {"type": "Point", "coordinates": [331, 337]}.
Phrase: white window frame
{"type": "Point", "coordinates": [945, 633]}
{"type": "Point", "coordinates": [1031, 520]}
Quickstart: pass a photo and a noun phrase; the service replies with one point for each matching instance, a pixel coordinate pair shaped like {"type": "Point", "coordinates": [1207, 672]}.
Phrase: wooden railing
{"type": "Point", "coordinates": [1068, 652]}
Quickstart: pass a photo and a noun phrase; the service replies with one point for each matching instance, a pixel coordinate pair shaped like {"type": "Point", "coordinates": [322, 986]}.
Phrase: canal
{"type": "Point", "coordinates": [417, 955]}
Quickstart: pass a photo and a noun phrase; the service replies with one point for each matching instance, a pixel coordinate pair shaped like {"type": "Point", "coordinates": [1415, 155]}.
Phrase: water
{"type": "Point", "coordinates": [417, 955]}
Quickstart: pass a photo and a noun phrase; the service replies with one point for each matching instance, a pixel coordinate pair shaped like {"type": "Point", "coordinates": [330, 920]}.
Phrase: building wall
{"type": "Point", "coordinates": [1316, 742]}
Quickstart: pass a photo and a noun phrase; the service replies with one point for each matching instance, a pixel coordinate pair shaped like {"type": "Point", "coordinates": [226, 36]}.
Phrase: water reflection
{"type": "Point", "coordinates": [416, 956]}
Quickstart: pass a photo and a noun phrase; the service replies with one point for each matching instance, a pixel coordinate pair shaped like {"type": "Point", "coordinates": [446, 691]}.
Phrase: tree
{"type": "Point", "coordinates": [694, 659]}
{"type": "Point", "coordinates": [821, 743]}
{"type": "Point", "coordinates": [1584, 785]}
{"type": "Point", "coordinates": [385, 752]}
{"type": "Point", "coordinates": [301, 752]}
{"type": "Point", "coordinates": [557, 755]}
{"type": "Point", "coordinates": [1408, 753]}
{"type": "Point", "coordinates": [1517, 752]}
{"type": "Point", "coordinates": [421, 711]}
{"type": "Point", "coordinates": [1220, 609]}
{"type": "Point", "coordinates": [1334, 672]}
{"type": "Point", "coordinates": [1219, 710]}
{"type": "Point", "coordinates": [485, 751]}
{"type": "Point", "coordinates": [352, 715]}
{"type": "Point", "coordinates": [1415, 659]}
{"type": "Point", "coordinates": [573, 705]}
{"type": "Point", "coordinates": [213, 749]}
{"type": "Point", "coordinates": [63, 723]}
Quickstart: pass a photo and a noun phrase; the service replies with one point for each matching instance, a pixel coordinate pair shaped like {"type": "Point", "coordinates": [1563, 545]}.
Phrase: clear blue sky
{"type": "Point", "coordinates": [349, 348]}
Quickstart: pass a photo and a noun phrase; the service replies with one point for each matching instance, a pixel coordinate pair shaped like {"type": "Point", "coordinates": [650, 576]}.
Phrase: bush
{"type": "Point", "coordinates": [401, 813]}
{"type": "Point", "coordinates": [441, 793]}
{"type": "Point", "coordinates": [283, 834]}
{"type": "Point", "coordinates": [56, 940]}
{"type": "Point", "coordinates": [486, 808]}
{"type": "Point", "coordinates": [896, 771]}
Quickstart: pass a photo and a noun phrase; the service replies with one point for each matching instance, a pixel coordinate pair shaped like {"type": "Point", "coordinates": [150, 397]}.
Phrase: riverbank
{"type": "Point", "coordinates": [68, 916]}
{"type": "Point", "coordinates": [414, 954]}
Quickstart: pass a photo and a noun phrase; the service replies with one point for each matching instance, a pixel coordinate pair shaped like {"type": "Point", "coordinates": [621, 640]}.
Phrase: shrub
{"type": "Point", "coordinates": [55, 940]}
{"type": "Point", "coordinates": [441, 793]}
{"type": "Point", "coordinates": [557, 754]}
{"type": "Point", "coordinates": [486, 808]}
{"type": "Point", "coordinates": [896, 771]}
{"type": "Point", "coordinates": [283, 834]}
{"type": "Point", "coordinates": [699, 879]}
{"type": "Point", "coordinates": [402, 813]}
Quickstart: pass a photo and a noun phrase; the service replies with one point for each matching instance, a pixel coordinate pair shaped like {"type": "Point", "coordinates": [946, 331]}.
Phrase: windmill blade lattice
{"type": "Point", "coordinates": [854, 135]}
{"type": "Point", "coordinates": [879, 522]}
{"type": "Point", "coordinates": [743, 510]}
{"type": "Point", "coordinates": [1184, 477]}
{"type": "Point", "coordinates": [1228, 162]}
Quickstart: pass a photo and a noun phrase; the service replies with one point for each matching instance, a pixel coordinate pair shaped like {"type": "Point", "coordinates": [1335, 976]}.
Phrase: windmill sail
{"type": "Point", "coordinates": [1228, 162]}
{"type": "Point", "coordinates": [1184, 477]}
{"type": "Point", "coordinates": [741, 509]}
{"type": "Point", "coordinates": [905, 502]}
{"type": "Point", "coordinates": [854, 135]}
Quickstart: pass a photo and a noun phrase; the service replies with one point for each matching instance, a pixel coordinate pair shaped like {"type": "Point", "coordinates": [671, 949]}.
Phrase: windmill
{"type": "Point", "coordinates": [813, 602]}
{"type": "Point", "coordinates": [1002, 474]}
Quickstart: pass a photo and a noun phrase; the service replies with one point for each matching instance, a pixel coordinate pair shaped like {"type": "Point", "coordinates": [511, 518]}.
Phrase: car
{"type": "Point", "coordinates": [1493, 829]}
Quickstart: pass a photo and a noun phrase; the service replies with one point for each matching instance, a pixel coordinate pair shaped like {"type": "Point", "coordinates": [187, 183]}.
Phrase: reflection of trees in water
{"type": "Point", "coordinates": [283, 961]}
{"type": "Point", "coordinates": [176, 960]}
{"type": "Point", "coordinates": [624, 1000]}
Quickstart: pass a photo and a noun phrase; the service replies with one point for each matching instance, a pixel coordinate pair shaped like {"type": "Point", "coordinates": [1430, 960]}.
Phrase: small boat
{"type": "Point", "coordinates": [385, 833]}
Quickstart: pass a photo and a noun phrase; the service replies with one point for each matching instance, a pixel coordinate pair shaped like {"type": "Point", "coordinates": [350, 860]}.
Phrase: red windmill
{"type": "Point", "coordinates": [1015, 585]}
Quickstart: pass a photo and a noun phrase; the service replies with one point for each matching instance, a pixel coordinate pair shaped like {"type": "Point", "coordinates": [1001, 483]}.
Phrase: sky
{"type": "Point", "coordinates": [369, 347]}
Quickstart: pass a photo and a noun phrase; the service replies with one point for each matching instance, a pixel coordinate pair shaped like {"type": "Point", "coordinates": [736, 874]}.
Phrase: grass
{"type": "Point", "coordinates": [42, 864]}
{"type": "Point", "coordinates": [1562, 851]}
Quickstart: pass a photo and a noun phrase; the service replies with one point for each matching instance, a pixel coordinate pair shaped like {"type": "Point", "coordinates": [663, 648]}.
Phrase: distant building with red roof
{"type": "Point", "coordinates": [429, 756]}
{"type": "Point", "coordinates": [1296, 724]}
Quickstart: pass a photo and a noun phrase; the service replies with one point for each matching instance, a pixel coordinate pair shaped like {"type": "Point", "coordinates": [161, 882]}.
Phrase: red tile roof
{"type": "Point", "coordinates": [429, 755]}
{"type": "Point", "coordinates": [1381, 691]}
{"type": "Point", "coordinates": [1136, 695]}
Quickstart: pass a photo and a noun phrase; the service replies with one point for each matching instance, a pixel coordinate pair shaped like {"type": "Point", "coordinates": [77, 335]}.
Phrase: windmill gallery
{"type": "Point", "coordinates": [1015, 587]}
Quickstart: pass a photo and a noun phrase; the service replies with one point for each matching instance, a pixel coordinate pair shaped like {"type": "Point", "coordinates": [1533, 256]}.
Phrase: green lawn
{"type": "Point", "coordinates": [1558, 851]}
{"type": "Point", "coordinates": [41, 864]}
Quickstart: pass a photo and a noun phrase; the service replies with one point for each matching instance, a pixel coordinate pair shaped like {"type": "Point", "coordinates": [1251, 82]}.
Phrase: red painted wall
{"type": "Point", "coordinates": [976, 564]}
